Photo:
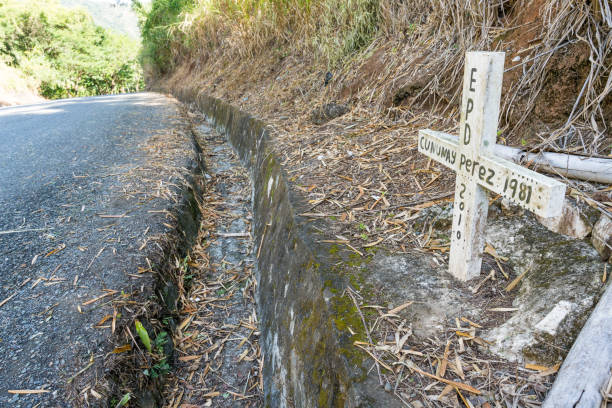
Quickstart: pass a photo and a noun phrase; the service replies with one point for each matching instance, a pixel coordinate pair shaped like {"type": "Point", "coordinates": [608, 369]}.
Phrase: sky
{"type": "Point", "coordinates": [114, 14]}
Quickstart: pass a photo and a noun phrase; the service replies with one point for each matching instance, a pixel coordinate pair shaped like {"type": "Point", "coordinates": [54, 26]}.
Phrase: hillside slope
{"type": "Point", "coordinates": [115, 15]}
{"type": "Point", "coordinates": [397, 59]}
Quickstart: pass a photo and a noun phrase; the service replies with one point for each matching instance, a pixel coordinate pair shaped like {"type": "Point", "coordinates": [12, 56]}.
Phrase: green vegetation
{"type": "Point", "coordinates": [158, 24]}
{"type": "Point", "coordinates": [175, 30]}
{"type": "Point", "coordinates": [161, 366]}
{"type": "Point", "coordinates": [143, 334]}
{"type": "Point", "coordinates": [62, 53]}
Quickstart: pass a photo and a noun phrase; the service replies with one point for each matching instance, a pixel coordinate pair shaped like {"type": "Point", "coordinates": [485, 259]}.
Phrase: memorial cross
{"type": "Point", "coordinates": [471, 156]}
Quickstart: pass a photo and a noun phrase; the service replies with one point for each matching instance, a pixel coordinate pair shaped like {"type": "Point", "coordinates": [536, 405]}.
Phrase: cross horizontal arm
{"type": "Point", "coordinates": [533, 191]}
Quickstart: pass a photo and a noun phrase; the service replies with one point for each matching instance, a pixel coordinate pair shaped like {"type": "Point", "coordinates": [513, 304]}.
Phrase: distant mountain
{"type": "Point", "coordinates": [113, 14]}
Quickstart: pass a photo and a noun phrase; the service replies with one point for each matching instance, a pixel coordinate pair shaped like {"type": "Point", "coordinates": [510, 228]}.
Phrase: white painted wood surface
{"type": "Point", "coordinates": [482, 82]}
{"type": "Point", "coordinates": [587, 367]}
{"type": "Point", "coordinates": [594, 169]}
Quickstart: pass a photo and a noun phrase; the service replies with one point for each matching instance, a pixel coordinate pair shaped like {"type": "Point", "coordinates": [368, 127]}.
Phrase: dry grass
{"type": "Point", "coordinates": [395, 58]}
{"type": "Point", "coordinates": [420, 371]}
{"type": "Point", "coordinates": [242, 28]}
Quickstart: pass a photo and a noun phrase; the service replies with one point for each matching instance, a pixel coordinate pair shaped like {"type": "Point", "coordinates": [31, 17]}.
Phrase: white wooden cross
{"type": "Point", "coordinates": [477, 169]}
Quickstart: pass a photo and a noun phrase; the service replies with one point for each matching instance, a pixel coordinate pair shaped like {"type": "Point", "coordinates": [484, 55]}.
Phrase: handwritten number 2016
{"type": "Point", "coordinates": [524, 190]}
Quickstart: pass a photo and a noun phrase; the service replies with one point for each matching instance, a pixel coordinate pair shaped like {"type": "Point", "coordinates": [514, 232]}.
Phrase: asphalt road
{"type": "Point", "coordinates": [83, 186]}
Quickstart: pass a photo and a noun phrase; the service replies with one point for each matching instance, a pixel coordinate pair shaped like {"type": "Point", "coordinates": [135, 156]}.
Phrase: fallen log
{"type": "Point", "coordinates": [586, 369]}
{"type": "Point", "coordinates": [595, 169]}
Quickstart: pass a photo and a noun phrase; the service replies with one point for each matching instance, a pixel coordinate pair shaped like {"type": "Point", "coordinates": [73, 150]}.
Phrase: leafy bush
{"type": "Point", "coordinates": [65, 52]}
{"type": "Point", "coordinates": [156, 25]}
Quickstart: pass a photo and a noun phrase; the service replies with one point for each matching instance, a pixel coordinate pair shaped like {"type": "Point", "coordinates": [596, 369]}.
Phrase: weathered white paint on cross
{"type": "Point", "coordinates": [477, 169]}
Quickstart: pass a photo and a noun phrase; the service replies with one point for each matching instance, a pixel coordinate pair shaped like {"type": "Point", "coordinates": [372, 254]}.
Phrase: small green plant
{"type": "Point", "coordinates": [185, 264]}
{"type": "Point", "coordinates": [124, 401]}
{"type": "Point", "coordinates": [160, 340]}
{"type": "Point", "coordinates": [161, 367]}
{"type": "Point", "coordinates": [158, 370]}
{"type": "Point", "coordinates": [143, 334]}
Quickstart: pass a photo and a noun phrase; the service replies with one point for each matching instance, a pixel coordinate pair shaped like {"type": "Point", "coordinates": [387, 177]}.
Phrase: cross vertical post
{"type": "Point", "coordinates": [482, 83]}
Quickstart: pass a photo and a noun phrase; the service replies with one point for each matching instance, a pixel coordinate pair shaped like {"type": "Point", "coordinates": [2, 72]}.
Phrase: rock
{"type": "Point", "coordinates": [407, 93]}
{"type": "Point", "coordinates": [572, 222]}
{"type": "Point", "coordinates": [440, 217]}
{"type": "Point", "coordinates": [328, 77]}
{"type": "Point", "coordinates": [413, 277]}
{"type": "Point", "coordinates": [554, 299]}
{"type": "Point", "coordinates": [602, 237]}
{"type": "Point", "coordinates": [509, 208]}
{"type": "Point", "coordinates": [550, 323]}
{"type": "Point", "coordinates": [328, 112]}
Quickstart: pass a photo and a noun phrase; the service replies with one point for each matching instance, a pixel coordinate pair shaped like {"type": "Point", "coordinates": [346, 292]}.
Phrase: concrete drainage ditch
{"type": "Point", "coordinates": [218, 355]}
{"type": "Point", "coordinates": [307, 361]}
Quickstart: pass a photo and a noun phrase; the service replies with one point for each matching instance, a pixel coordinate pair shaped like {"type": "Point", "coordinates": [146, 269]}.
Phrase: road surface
{"type": "Point", "coordinates": [83, 188]}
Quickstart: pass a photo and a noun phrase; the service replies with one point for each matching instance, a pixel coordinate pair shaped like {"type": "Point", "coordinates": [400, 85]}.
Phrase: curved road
{"type": "Point", "coordinates": [83, 186]}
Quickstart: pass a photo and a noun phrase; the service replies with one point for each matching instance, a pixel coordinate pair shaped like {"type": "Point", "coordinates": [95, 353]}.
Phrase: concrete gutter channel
{"type": "Point", "coordinates": [307, 361]}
